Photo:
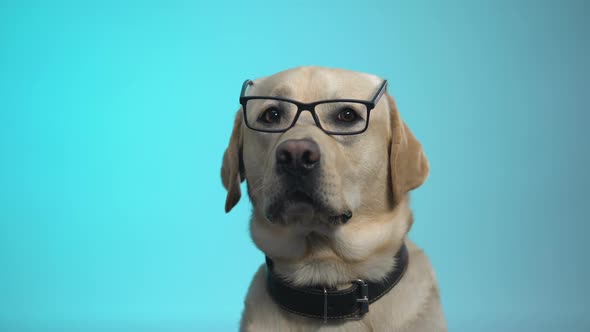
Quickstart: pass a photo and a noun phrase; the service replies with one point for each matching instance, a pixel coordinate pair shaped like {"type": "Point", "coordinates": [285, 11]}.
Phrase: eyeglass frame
{"type": "Point", "coordinates": [310, 107]}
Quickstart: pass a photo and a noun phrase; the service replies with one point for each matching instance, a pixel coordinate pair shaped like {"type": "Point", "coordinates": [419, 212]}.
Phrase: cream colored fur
{"type": "Point", "coordinates": [370, 174]}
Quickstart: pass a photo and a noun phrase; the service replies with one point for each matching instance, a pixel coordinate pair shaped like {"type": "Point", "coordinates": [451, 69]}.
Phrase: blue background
{"type": "Point", "coordinates": [114, 117]}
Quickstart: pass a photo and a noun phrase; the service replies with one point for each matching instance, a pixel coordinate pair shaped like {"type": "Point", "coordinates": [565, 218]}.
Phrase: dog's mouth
{"type": "Point", "coordinates": [298, 206]}
{"type": "Point", "coordinates": [299, 197]}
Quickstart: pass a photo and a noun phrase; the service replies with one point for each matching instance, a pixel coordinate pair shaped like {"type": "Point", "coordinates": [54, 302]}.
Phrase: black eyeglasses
{"type": "Point", "coordinates": [333, 116]}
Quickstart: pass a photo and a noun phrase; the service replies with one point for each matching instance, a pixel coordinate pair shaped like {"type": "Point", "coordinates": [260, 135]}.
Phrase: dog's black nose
{"type": "Point", "coordinates": [297, 155]}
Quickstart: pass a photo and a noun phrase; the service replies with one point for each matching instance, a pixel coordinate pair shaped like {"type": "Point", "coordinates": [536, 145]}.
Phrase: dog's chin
{"type": "Point", "coordinates": [298, 212]}
{"type": "Point", "coordinates": [293, 208]}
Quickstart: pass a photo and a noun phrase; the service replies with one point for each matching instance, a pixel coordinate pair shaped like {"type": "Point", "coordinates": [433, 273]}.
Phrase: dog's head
{"type": "Point", "coordinates": [311, 177]}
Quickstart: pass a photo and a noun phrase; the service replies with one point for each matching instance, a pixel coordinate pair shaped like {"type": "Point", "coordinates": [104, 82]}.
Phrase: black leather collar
{"type": "Point", "coordinates": [330, 304]}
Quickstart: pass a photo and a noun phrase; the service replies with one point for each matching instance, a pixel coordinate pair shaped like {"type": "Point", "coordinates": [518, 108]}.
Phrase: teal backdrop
{"type": "Point", "coordinates": [114, 116]}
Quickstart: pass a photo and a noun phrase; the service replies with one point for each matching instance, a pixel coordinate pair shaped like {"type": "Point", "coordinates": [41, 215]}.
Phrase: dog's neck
{"type": "Point", "coordinates": [364, 248]}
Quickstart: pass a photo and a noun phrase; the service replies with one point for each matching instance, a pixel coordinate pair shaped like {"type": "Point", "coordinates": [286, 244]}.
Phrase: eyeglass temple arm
{"type": "Point", "coordinates": [380, 93]}
{"type": "Point", "coordinates": [245, 86]}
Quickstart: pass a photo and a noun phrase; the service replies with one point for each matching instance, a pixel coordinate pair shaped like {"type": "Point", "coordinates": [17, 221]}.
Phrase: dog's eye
{"type": "Point", "coordinates": [271, 115]}
{"type": "Point", "coordinates": [347, 115]}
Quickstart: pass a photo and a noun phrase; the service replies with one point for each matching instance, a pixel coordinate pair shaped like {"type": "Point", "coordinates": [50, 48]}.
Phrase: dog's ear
{"type": "Point", "coordinates": [232, 169]}
{"type": "Point", "coordinates": [409, 166]}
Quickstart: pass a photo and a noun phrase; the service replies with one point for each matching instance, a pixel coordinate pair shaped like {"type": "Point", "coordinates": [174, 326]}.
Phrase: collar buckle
{"type": "Point", "coordinates": [363, 299]}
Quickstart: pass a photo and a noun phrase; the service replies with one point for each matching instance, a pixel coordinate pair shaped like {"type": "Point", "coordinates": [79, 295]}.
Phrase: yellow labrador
{"type": "Point", "coordinates": [329, 164]}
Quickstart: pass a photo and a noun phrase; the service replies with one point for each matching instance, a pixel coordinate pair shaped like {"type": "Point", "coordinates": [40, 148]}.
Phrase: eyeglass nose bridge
{"type": "Point", "coordinates": [310, 109]}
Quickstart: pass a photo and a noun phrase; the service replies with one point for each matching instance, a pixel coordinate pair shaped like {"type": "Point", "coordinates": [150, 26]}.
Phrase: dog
{"type": "Point", "coordinates": [329, 164]}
